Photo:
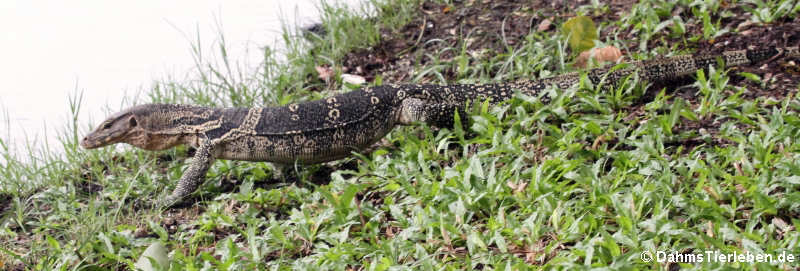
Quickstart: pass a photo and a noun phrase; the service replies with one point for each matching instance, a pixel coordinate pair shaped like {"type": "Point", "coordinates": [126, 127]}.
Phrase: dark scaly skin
{"type": "Point", "coordinates": [333, 128]}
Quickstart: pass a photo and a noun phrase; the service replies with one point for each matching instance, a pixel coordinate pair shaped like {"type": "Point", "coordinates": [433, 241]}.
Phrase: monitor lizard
{"type": "Point", "coordinates": [333, 128]}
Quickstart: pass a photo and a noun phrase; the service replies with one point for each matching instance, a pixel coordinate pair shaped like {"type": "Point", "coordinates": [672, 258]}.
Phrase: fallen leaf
{"type": "Point", "coordinates": [738, 167]}
{"type": "Point", "coordinates": [324, 72]}
{"type": "Point", "coordinates": [781, 225]}
{"type": "Point", "coordinates": [710, 229]}
{"type": "Point", "coordinates": [544, 25]}
{"type": "Point", "coordinates": [155, 253]}
{"type": "Point", "coordinates": [389, 232]}
{"type": "Point", "coordinates": [517, 188]}
{"type": "Point", "coordinates": [599, 55]}
{"type": "Point", "coordinates": [711, 192]}
{"type": "Point", "coordinates": [530, 257]}
{"type": "Point", "coordinates": [353, 79]}
{"type": "Point", "coordinates": [581, 33]}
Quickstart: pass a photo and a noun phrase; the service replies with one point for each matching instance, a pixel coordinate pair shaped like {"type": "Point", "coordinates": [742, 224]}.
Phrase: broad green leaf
{"type": "Point", "coordinates": [581, 33]}
{"type": "Point", "coordinates": [155, 253]}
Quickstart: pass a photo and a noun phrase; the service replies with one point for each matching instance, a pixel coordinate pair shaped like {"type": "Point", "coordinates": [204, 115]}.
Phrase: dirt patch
{"type": "Point", "coordinates": [482, 26]}
{"type": "Point", "coordinates": [494, 26]}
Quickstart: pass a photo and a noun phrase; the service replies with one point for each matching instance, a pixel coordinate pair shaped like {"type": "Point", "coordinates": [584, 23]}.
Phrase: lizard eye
{"type": "Point", "coordinates": [133, 122]}
{"type": "Point", "coordinates": [107, 126]}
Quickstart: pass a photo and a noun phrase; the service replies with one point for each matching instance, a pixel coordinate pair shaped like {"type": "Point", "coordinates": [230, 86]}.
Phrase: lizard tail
{"type": "Point", "coordinates": [671, 68]}
{"type": "Point", "coordinates": [655, 70]}
{"type": "Point", "coordinates": [746, 57]}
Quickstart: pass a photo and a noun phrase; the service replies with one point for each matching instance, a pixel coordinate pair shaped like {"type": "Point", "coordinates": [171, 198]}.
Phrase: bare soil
{"type": "Point", "coordinates": [492, 26]}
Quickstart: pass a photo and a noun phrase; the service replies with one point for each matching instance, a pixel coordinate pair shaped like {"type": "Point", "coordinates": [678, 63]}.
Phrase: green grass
{"type": "Point", "coordinates": [580, 182]}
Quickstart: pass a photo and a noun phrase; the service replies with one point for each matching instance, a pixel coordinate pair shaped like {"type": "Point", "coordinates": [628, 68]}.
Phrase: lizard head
{"type": "Point", "coordinates": [132, 126]}
{"type": "Point", "coordinates": [119, 127]}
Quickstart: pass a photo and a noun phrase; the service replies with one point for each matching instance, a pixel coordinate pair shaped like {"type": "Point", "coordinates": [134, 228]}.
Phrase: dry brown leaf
{"type": "Point", "coordinates": [600, 55]}
{"type": "Point", "coordinates": [711, 192]}
{"type": "Point", "coordinates": [517, 188]}
{"type": "Point", "coordinates": [389, 232]}
{"type": "Point", "coordinates": [740, 188]}
{"type": "Point", "coordinates": [710, 229]}
{"type": "Point", "coordinates": [738, 167]}
{"type": "Point", "coordinates": [324, 72]}
{"type": "Point", "coordinates": [530, 257]}
{"type": "Point", "coordinates": [353, 79]}
{"type": "Point", "coordinates": [544, 25]}
{"type": "Point", "coordinates": [511, 185]}
{"type": "Point", "coordinates": [446, 237]}
{"type": "Point", "coordinates": [781, 225]}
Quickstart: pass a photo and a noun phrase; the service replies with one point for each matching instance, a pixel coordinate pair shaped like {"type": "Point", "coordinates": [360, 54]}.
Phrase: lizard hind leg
{"type": "Point", "coordinates": [435, 114]}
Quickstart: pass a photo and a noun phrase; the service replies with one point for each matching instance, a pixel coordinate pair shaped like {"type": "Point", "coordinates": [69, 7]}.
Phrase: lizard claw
{"type": "Point", "coordinates": [167, 202]}
{"type": "Point", "coordinates": [164, 203]}
{"type": "Point", "coordinates": [140, 204]}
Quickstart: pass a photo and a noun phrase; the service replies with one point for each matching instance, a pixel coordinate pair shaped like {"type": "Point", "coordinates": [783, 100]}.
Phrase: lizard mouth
{"type": "Point", "coordinates": [88, 143]}
{"type": "Point", "coordinates": [93, 140]}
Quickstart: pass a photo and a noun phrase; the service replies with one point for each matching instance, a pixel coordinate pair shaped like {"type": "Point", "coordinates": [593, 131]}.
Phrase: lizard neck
{"type": "Point", "coordinates": [167, 125]}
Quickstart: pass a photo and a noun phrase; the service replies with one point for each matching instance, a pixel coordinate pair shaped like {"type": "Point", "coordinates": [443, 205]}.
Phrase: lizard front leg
{"type": "Point", "coordinates": [193, 176]}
